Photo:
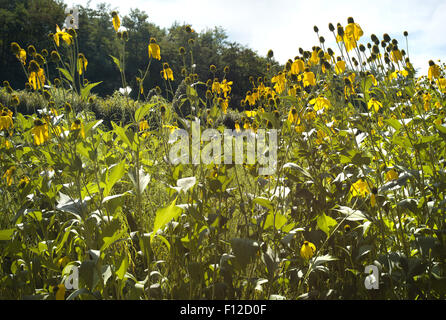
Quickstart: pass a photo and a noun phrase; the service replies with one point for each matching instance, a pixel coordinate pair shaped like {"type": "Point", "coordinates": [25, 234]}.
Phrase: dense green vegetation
{"type": "Point", "coordinates": [94, 207]}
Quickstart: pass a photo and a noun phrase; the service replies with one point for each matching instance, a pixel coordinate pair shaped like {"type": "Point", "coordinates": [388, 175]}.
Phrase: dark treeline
{"type": "Point", "coordinates": [31, 21]}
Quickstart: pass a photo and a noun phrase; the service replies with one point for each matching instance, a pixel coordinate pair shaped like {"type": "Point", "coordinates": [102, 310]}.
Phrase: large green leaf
{"type": "Point", "coordinates": [277, 220]}
{"type": "Point", "coordinates": [164, 216]}
{"type": "Point", "coordinates": [6, 234]}
{"type": "Point", "coordinates": [325, 223]}
{"type": "Point", "coordinates": [114, 176]}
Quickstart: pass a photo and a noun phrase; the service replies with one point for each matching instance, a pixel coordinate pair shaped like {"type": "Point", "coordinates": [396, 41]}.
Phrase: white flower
{"type": "Point", "coordinates": [125, 91]}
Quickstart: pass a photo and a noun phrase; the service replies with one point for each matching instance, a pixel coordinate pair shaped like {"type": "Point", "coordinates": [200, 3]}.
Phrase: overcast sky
{"type": "Point", "coordinates": [286, 25]}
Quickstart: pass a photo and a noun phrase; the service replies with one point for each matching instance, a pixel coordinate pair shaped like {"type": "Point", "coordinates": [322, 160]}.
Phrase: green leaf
{"type": "Point", "coordinates": [164, 216]}
{"type": "Point", "coordinates": [116, 174]}
{"type": "Point", "coordinates": [142, 111]}
{"type": "Point", "coordinates": [121, 133]}
{"type": "Point", "coordinates": [123, 268]}
{"type": "Point", "coordinates": [352, 215]}
{"type": "Point", "coordinates": [278, 221]}
{"type": "Point", "coordinates": [264, 202]}
{"type": "Point", "coordinates": [110, 240]}
{"type": "Point", "coordinates": [394, 123]}
{"type": "Point", "coordinates": [66, 74]}
{"type": "Point", "coordinates": [85, 91]}
{"type": "Point", "coordinates": [116, 61]}
{"type": "Point", "coordinates": [6, 234]}
{"type": "Point", "coordinates": [325, 222]}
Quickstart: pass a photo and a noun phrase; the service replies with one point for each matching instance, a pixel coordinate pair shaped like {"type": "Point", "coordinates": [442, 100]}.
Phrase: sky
{"type": "Point", "coordinates": [286, 25]}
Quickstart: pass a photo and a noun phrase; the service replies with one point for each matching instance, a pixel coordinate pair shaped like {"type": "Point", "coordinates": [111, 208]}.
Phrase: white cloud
{"type": "Point", "coordinates": [286, 25]}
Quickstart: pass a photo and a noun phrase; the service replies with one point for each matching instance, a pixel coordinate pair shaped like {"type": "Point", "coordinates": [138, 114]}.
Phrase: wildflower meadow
{"type": "Point", "coordinates": [155, 201]}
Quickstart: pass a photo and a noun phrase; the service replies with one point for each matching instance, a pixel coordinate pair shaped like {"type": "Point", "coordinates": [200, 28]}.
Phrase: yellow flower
{"type": "Point", "coordinates": [171, 128]}
{"type": "Point", "coordinates": [224, 104]}
{"type": "Point", "coordinates": [82, 63]}
{"type": "Point", "coordinates": [352, 77]}
{"type": "Point", "coordinates": [22, 56]}
{"type": "Point", "coordinates": [299, 129]}
{"type": "Point", "coordinates": [143, 125]}
{"type": "Point", "coordinates": [404, 73]}
{"type": "Point", "coordinates": [309, 79]}
{"type": "Point", "coordinates": [349, 90]}
{"type": "Point", "coordinates": [393, 75]}
{"type": "Point", "coordinates": [352, 33]}
{"type": "Point", "coordinates": [60, 294]}
{"type": "Point", "coordinates": [116, 21]}
{"type": "Point", "coordinates": [360, 187]}
{"type": "Point", "coordinates": [24, 181]}
{"type": "Point", "coordinates": [307, 250]}
{"type": "Point", "coordinates": [373, 103]}
{"type": "Point", "coordinates": [340, 67]}
{"type": "Point", "coordinates": [246, 124]}
{"type": "Point", "coordinates": [396, 56]}
{"type": "Point", "coordinates": [37, 79]}
{"type": "Point", "coordinates": [391, 175]}
{"type": "Point", "coordinates": [154, 49]}
{"type": "Point", "coordinates": [226, 87]}
{"type": "Point", "coordinates": [279, 81]}
{"type": "Point", "coordinates": [78, 125]}
{"type": "Point", "coordinates": [6, 119]}
{"type": "Point", "coordinates": [167, 74]}
{"type": "Point", "coordinates": [237, 126]}
{"type": "Point", "coordinates": [66, 37]}
{"type": "Point", "coordinates": [216, 86]}
{"type": "Point", "coordinates": [297, 66]}
{"type": "Point", "coordinates": [442, 84]}
{"type": "Point", "coordinates": [250, 113]}
{"type": "Point", "coordinates": [250, 98]}
{"type": "Point", "coordinates": [434, 71]}
{"type": "Point", "coordinates": [380, 121]}
{"type": "Point", "coordinates": [293, 116]}
{"type": "Point", "coordinates": [320, 103]}
{"type": "Point", "coordinates": [371, 76]}
{"type": "Point", "coordinates": [314, 60]}
{"type": "Point", "coordinates": [40, 132]}
{"type": "Point", "coordinates": [8, 175]}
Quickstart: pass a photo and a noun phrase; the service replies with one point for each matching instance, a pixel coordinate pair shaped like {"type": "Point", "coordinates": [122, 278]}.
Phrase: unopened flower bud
{"type": "Point", "coordinates": [270, 54]}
